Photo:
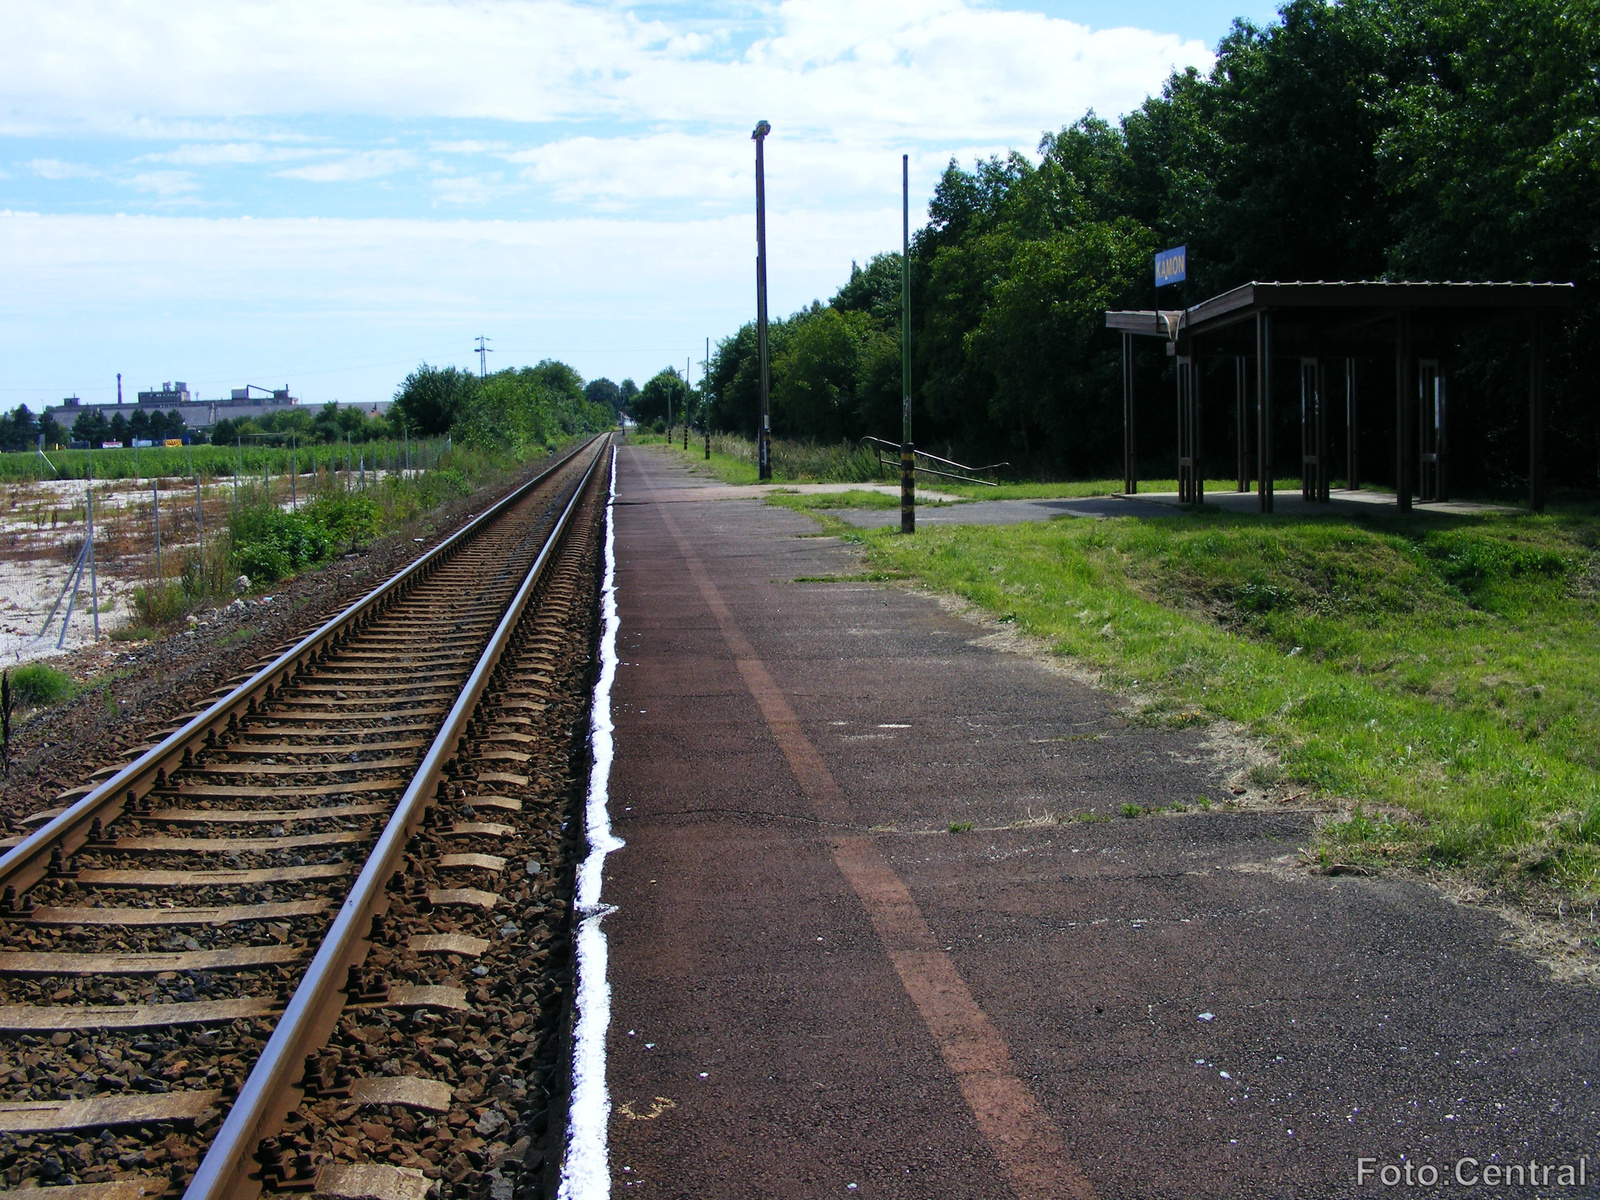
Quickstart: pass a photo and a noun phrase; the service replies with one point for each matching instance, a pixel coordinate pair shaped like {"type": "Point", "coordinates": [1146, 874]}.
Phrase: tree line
{"type": "Point", "coordinates": [1368, 139]}
{"type": "Point", "coordinates": [518, 408]}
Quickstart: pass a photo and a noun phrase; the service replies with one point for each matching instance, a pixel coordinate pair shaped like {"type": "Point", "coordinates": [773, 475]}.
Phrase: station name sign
{"type": "Point", "coordinates": [1172, 266]}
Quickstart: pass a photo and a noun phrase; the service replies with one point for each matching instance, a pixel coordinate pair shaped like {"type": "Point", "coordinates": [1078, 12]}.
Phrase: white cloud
{"type": "Point", "coordinates": [468, 146]}
{"type": "Point", "coordinates": [471, 189]}
{"type": "Point", "coordinates": [367, 164]}
{"type": "Point", "coordinates": [512, 107]}
{"type": "Point", "coordinates": [54, 168]}
{"type": "Point", "coordinates": [951, 66]}
{"type": "Point", "coordinates": [208, 154]}
{"type": "Point", "coordinates": [166, 184]}
{"type": "Point", "coordinates": [717, 170]}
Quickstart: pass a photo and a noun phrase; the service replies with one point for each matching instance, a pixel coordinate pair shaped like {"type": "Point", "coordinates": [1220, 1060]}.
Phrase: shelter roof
{"type": "Point", "coordinates": [1338, 298]}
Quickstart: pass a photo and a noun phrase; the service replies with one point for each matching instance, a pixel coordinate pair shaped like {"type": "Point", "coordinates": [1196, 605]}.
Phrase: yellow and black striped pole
{"type": "Point", "coordinates": [908, 456]}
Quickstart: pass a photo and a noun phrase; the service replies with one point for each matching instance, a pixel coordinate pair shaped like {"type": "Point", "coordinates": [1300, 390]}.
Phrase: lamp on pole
{"type": "Point", "coordinates": [908, 458]}
{"type": "Point", "coordinates": [764, 432]}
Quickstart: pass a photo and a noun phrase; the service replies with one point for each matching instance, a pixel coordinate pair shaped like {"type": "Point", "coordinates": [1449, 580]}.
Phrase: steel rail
{"type": "Point", "coordinates": [881, 448]}
{"type": "Point", "coordinates": [27, 862]}
{"type": "Point", "coordinates": [265, 1097]}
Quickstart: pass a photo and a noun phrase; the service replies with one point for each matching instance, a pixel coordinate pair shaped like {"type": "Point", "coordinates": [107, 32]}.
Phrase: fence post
{"type": "Point", "coordinates": [155, 508]}
{"type": "Point", "coordinates": [199, 520]}
{"type": "Point", "coordinates": [94, 581]}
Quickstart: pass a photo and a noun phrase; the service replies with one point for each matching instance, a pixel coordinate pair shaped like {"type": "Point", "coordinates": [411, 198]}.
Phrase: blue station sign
{"type": "Point", "coordinates": [1172, 266]}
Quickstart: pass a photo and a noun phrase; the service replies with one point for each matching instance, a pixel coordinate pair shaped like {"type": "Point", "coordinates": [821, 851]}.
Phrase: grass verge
{"type": "Point", "coordinates": [1437, 671]}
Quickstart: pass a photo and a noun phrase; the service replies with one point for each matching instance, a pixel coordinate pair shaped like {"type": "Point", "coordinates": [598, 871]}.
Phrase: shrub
{"type": "Point", "coordinates": [159, 603]}
{"type": "Point", "coordinates": [262, 561]}
{"type": "Point", "coordinates": [350, 519]}
{"type": "Point", "coordinates": [269, 543]}
{"type": "Point", "coordinates": [35, 685]}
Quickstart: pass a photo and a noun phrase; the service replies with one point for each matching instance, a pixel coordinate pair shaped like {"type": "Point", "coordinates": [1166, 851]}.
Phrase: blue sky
{"type": "Point", "coordinates": [280, 192]}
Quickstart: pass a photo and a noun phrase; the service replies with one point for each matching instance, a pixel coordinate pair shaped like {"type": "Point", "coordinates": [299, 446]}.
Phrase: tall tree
{"type": "Point", "coordinates": [428, 401]}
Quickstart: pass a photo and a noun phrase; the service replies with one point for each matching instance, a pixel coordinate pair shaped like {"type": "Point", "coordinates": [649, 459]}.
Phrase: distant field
{"type": "Point", "coordinates": [210, 461]}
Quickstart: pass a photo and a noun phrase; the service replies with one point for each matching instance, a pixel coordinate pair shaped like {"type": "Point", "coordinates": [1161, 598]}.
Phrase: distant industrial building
{"type": "Point", "coordinates": [197, 414]}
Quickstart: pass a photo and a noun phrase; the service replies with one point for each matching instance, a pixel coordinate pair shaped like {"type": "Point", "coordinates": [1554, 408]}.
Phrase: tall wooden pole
{"type": "Point", "coordinates": [908, 455]}
{"type": "Point", "coordinates": [764, 430]}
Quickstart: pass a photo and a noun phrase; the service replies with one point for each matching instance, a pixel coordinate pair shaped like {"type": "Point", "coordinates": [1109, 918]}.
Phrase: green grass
{"type": "Point", "coordinates": [1439, 669]}
{"type": "Point", "coordinates": [35, 685]}
{"type": "Point", "coordinates": [733, 459]}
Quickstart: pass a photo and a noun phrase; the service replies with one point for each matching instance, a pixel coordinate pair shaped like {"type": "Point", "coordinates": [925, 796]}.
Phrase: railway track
{"type": "Point", "coordinates": [314, 940]}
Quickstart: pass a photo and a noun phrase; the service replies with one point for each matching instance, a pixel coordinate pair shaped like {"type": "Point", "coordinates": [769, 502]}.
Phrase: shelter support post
{"type": "Point", "coordinates": [1264, 411]}
{"type": "Point", "coordinates": [1404, 453]}
{"type": "Point", "coordinates": [1432, 432]}
{"type": "Point", "coordinates": [1191, 479]}
{"type": "Point", "coordinates": [1130, 464]}
{"type": "Point", "coordinates": [1313, 431]}
{"type": "Point", "coordinates": [1536, 416]}
{"type": "Point", "coordinates": [1241, 425]}
{"type": "Point", "coordinates": [1352, 436]}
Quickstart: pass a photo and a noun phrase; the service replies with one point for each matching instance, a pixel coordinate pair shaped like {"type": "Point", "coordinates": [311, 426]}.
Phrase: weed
{"type": "Point", "coordinates": [134, 633]}
{"type": "Point", "coordinates": [35, 685]}
{"type": "Point", "coordinates": [1264, 774]}
{"type": "Point", "coordinates": [1132, 810]}
{"type": "Point", "coordinates": [157, 604]}
{"type": "Point", "coordinates": [961, 827]}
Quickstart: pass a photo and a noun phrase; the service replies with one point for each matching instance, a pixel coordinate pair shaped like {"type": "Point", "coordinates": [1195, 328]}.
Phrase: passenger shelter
{"type": "Point", "coordinates": [1324, 327]}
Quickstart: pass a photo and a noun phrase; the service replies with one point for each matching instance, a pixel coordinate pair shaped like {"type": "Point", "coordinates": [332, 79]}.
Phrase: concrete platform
{"type": "Point", "coordinates": [700, 491]}
{"type": "Point", "coordinates": [1009, 512]}
{"type": "Point", "coordinates": [819, 990]}
{"type": "Point", "coordinates": [1155, 504]}
{"type": "Point", "coordinates": [1289, 502]}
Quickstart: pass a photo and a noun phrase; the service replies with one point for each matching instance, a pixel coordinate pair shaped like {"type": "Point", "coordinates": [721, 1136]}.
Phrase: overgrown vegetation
{"type": "Point", "coordinates": [1439, 670]}
{"type": "Point", "coordinates": [266, 542]}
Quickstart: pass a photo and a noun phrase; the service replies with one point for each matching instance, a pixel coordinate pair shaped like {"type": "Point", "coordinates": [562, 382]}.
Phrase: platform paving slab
{"type": "Point", "coordinates": [816, 984]}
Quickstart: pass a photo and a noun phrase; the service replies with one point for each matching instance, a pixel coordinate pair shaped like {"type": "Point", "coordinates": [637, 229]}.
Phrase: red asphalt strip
{"type": "Point", "coordinates": [1023, 1138]}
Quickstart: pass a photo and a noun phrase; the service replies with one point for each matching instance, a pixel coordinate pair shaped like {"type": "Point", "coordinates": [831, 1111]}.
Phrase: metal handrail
{"type": "Point", "coordinates": [313, 1010]}
{"type": "Point", "coordinates": [27, 862]}
{"type": "Point", "coordinates": [889, 452]}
